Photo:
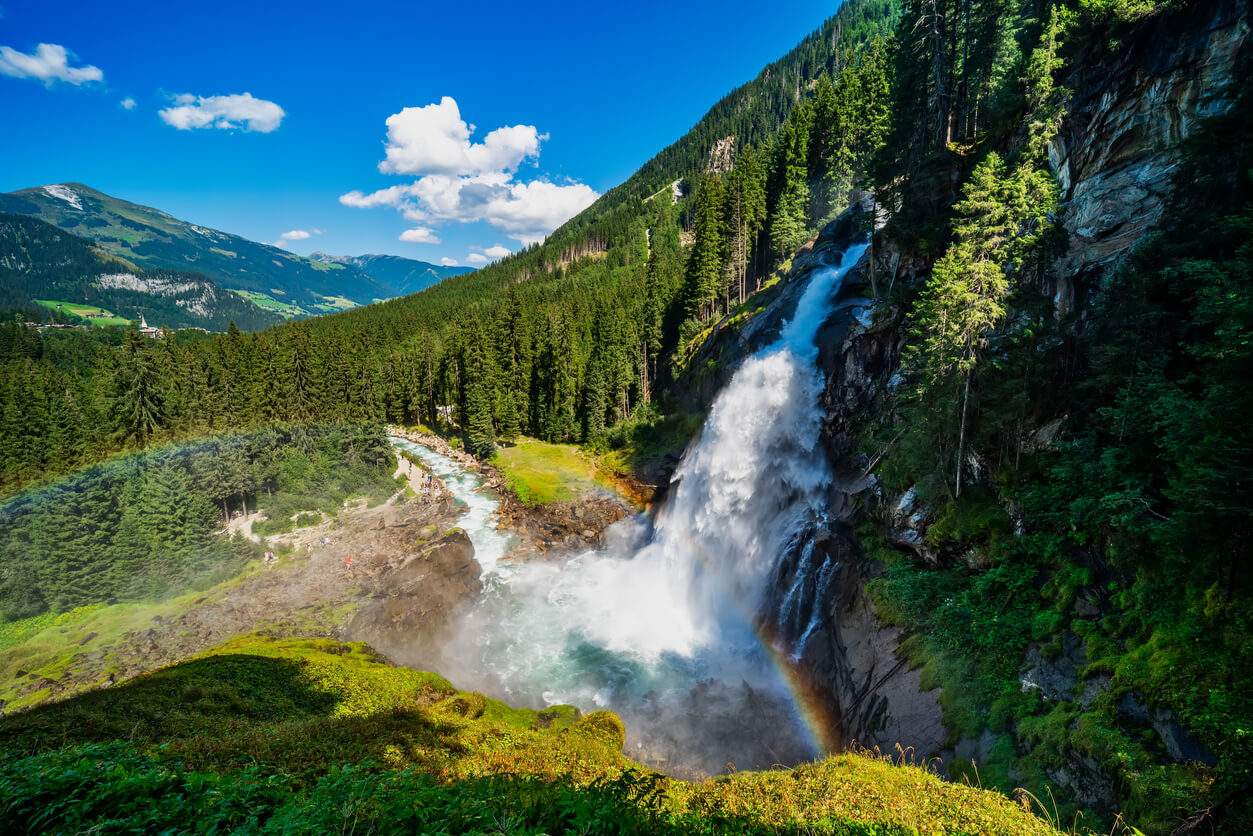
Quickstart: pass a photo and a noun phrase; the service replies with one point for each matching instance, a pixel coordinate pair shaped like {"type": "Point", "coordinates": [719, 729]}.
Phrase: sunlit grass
{"type": "Point", "coordinates": [541, 473]}
{"type": "Point", "coordinates": [319, 721]}
{"type": "Point", "coordinates": [46, 645]}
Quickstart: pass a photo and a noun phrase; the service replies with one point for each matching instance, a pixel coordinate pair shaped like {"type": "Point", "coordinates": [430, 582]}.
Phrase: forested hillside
{"type": "Point", "coordinates": [152, 239]}
{"type": "Point", "coordinates": [560, 341]}
{"type": "Point", "coordinates": [1074, 473]}
{"type": "Point", "coordinates": [41, 261]}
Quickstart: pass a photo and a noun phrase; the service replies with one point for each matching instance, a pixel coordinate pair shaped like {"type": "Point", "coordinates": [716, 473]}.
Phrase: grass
{"type": "Point", "coordinates": [46, 645]}
{"type": "Point", "coordinates": [336, 303]}
{"type": "Point", "coordinates": [275, 735]}
{"type": "Point", "coordinates": [16, 632]}
{"type": "Point", "coordinates": [301, 705]}
{"type": "Point", "coordinates": [108, 318]}
{"type": "Point", "coordinates": [269, 303]}
{"type": "Point", "coordinates": [648, 444]}
{"type": "Point", "coordinates": [541, 473]}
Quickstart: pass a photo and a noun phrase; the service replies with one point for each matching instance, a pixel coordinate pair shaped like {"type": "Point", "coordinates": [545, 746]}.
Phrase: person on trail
{"type": "Point", "coordinates": [348, 562]}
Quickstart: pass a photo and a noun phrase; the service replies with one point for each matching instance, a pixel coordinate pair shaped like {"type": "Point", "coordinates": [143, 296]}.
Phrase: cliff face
{"type": "Point", "coordinates": [1127, 114]}
{"type": "Point", "coordinates": [1128, 110]}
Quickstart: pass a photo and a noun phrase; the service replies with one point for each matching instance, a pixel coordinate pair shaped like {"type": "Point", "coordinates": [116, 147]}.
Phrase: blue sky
{"type": "Point", "coordinates": [147, 104]}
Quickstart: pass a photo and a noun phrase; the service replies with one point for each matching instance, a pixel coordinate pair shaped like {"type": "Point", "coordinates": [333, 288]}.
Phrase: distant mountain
{"type": "Point", "coordinates": [41, 262]}
{"type": "Point", "coordinates": [275, 279]}
{"type": "Point", "coordinates": [406, 275]}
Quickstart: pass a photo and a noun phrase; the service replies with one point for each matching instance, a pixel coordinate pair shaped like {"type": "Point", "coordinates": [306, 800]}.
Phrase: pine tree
{"type": "Point", "coordinates": [1002, 219]}
{"type": "Point", "coordinates": [790, 184]}
{"type": "Point", "coordinates": [139, 400]}
{"type": "Point", "coordinates": [705, 263]}
{"type": "Point", "coordinates": [477, 386]}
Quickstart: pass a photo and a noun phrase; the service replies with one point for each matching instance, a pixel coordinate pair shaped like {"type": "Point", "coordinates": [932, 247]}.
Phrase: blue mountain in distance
{"type": "Point", "coordinates": [405, 275]}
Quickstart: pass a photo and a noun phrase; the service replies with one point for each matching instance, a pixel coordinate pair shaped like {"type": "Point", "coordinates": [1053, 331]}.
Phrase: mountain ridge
{"type": "Point", "coordinates": [151, 238]}
{"type": "Point", "coordinates": [405, 275]}
{"type": "Point", "coordinates": [42, 263]}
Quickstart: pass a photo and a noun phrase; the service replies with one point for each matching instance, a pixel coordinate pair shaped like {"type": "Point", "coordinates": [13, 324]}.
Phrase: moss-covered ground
{"type": "Point", "coordinates": [267, 735]}
{"type": "Point", "coordinates": [541, 473]}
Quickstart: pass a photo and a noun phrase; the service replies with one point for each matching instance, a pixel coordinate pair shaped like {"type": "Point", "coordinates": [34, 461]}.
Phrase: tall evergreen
{"type": "Point", "coordinates": [139, 399]}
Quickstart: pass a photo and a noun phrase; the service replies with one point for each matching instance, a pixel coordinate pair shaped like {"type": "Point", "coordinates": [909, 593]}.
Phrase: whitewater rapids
{"type": "Point", "coordinates": [659, 625]}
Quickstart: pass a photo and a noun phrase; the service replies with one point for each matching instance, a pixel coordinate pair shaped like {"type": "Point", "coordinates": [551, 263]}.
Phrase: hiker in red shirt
{"type": "Point", "coordinates": [348, 562]}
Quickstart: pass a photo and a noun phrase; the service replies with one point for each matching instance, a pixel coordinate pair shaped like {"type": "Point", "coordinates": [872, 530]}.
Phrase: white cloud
{"type": "Point", "coordinates": [48, 63]}
{"type": "Point", "coordinates": [128, 103]}
{"type": "Point", "coordinates": [529, 211]}
{"type": "Point", "coordinates": [391, 196]}
{"type": "Point", "coordinates": [448, 262]}
{"type": "Point", "coordinates": [436, 140]}
{"type": "Point", "coordinates": [420, 235]}
{"type": "Point", "coordinates": [296, 235]}
{"type": "Point", "coordinates": [459, 181]}
{"type": "Point", "coordinates": [237, 111]}
{"type": "Point", "coordinates": [482, 255]}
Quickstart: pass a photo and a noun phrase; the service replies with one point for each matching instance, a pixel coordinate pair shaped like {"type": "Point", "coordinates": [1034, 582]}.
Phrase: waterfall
{"type": "Point", "coordinates": [659, 625]}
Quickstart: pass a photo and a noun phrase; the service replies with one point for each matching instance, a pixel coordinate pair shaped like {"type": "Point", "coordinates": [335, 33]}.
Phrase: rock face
{"type": "Point", "coordinates": [417, 600]}
{"type": "Point", "coordinates": [1117, 148]}
{"type": "Point", "coordinates": [874, 698]}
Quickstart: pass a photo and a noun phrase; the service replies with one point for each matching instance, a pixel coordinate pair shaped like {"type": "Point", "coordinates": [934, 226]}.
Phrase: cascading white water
{"type": "Point", "coordinates": [659, 625]}
{"type": "Point", "coordinates": [467, 490]}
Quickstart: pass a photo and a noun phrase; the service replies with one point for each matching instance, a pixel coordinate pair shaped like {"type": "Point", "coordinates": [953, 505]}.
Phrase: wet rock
{"type": "Point", "coordinates": [1084, 779]}
{"type": "Point", "coordinates": [1093, 688]}
{"type": "Point", "coordinates": [1175, 738]}
{"type": "Point", "coordinates": [977, 750]}
{"type": "Point", "coordinates": [412, 605]}
{"type": "Point", "coordinates": [1055, 679]}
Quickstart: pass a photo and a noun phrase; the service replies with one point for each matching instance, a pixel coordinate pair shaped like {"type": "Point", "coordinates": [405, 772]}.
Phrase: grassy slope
{"type": "Point", "coordinates": [46, 645]}
{"type": "Point", "coordinates": [266, 735]}
{"type": "Point", "coordinates": [539, 472]}
{"type": "Point", "coordinates": [110, 318]}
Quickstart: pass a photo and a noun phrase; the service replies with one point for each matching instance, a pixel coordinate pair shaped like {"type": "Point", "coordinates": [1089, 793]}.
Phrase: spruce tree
{"type": "Point", "coordinates": [139, 399]}
{"type": "Point", "coordinates": [788, 220]}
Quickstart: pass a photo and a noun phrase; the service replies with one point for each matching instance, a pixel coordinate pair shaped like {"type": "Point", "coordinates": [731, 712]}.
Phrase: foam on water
{"type": "Point", "coordinates": [479, 500]}
{"type": "Point", "coordinates": [659, 624]}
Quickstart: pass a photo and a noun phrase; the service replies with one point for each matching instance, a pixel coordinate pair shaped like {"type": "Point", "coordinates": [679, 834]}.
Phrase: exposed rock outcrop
{"type": "Point", "coordinates": [417, 599]}
{"type": "Point", "coordinates": [1118, 146]}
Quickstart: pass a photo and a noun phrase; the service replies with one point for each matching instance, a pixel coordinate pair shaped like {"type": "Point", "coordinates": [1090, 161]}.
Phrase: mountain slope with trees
{"type": "Point", "coordinates": [152, 239]}
{"type": "Point", "coordinates": [41, 261]}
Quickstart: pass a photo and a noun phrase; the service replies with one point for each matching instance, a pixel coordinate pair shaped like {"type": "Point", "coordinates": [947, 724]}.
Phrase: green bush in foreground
{"type": "Point", "coordinates": [266, 735]}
